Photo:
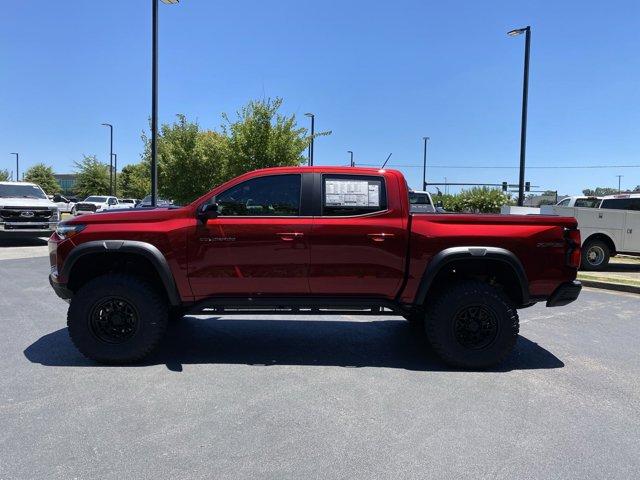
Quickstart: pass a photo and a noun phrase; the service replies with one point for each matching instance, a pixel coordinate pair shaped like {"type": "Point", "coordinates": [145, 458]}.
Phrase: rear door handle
{"type": "Point", "coordinates": [290, 236]}
{"type": "Point", "coordinates": [380, 237]}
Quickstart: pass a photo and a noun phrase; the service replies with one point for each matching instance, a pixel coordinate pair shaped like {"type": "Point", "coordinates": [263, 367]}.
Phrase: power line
{"type": "Point", "coordinates": [512, 168]}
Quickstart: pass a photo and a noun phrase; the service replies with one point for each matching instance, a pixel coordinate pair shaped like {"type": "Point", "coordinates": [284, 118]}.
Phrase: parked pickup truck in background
{"type": "Point", "coordinates": [612, 227]}
{"type": "Point", "coordinates": [308, 240]}
{"type": "Point", "coordinates": [96, 203]}
{"type": "Point", "coordinates": [25, 211]}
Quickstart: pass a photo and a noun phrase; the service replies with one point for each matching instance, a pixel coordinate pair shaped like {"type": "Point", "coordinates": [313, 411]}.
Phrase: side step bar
{"type": "Point", "coordinates": [296, 306]}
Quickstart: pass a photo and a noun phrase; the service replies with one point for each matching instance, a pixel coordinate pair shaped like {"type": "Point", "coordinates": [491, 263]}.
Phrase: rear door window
{"type": "Point", "coordinates": [349, 195]}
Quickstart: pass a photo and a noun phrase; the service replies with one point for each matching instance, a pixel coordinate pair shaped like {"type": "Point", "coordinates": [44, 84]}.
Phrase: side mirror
{"type": "Point", "coordinates": [210, 210]}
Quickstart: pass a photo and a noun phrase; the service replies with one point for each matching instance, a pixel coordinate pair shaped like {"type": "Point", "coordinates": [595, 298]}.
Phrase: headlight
{"type": "Point", "coordinates": [65, 231]}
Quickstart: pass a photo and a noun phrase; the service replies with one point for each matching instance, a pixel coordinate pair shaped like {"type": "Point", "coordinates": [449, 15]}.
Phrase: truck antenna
{"type": "Point", "coordinates": [385, 162]}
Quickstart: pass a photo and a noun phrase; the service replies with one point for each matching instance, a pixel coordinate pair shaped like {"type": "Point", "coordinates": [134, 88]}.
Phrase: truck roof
{"type": "Point", "coordinates": [327, 169]}
{"type": "Point", "coordinates": [19, 183]}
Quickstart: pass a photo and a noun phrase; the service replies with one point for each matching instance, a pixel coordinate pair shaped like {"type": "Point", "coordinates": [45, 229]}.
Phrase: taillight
{"type": "Point", "coordinates": [573, 253]}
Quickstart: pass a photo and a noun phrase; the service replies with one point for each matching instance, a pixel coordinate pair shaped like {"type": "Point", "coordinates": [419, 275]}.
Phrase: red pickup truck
{"type": "Point", "coordinates": [309, 240]}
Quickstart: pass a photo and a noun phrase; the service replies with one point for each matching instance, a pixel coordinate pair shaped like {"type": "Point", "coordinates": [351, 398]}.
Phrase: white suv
{"type": "Point", "coordinates": [25, 211]}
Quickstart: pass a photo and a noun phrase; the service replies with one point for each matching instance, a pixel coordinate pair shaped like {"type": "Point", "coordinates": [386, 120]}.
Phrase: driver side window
{"type": "Point", "coordinates": [270, 196]}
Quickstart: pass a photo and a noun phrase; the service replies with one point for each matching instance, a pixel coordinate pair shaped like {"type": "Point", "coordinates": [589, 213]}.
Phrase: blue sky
{"type": "Point", "coordinates": [380, 75]}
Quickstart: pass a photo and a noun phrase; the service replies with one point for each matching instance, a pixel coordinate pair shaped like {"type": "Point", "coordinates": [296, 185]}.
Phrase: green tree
{"type": "Point", "coordinates": [42, 175]}
{"type": "Point", "coordinates": [475, 200]}
{"type": "Point", "coordinates": [191, 161]}
{"type": "Point", "coordinates": [261, 137]}
{"type": "Point", "coordinates": [134, 181]}
{"type": "Point", "coordinates": [599, 191]}
{"type": "Point", "coordinates": [4, 175]}
{"type": "Point", "coordinates": [93, 177]}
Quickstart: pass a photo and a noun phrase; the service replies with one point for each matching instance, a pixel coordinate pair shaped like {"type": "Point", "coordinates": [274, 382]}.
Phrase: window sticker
{"type": "Point", "coordinates": [352, 193]}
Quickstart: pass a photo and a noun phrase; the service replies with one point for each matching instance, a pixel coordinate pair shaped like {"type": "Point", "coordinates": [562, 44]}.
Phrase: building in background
{"type": "Point", "coordinates": [67, 182]}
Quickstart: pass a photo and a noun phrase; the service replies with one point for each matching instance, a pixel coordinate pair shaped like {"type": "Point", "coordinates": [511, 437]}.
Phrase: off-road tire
{"type": "Point", "coordinates": [415, 318]}
{"type": "Point", "coordinates": [449, 309]}
{"type": "Point", "coordinates": [151, 318]}
{"type": "Point", "coordinates": [602, 254]}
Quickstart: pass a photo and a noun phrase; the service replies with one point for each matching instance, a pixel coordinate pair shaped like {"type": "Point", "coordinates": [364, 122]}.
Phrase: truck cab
{"type": "Point", "coordinates": [26, 211]}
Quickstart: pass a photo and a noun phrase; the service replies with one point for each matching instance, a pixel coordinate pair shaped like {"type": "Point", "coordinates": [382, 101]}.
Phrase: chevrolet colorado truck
{"type": "Point", "coordinates": [310, 240]}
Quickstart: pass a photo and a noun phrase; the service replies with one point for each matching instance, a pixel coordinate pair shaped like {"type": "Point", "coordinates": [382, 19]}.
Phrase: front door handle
{"type": "Point", "coordinates": [290, 236]}
{"type": "Point", "coordinates": [380, 237]}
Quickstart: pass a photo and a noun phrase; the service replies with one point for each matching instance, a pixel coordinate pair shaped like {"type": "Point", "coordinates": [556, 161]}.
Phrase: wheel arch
{"type": "Point", "coordinates": [107, 254]}
{"type": "Point", "coordinates": [473, 259]}
{"type": "Point", "coordinates": [604, 238]}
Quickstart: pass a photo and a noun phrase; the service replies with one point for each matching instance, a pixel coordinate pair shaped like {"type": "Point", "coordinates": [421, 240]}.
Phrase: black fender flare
{"type": "Point", "coordinates": [448, 255]}
{"type": "Point", "coordinates": [144, 249]}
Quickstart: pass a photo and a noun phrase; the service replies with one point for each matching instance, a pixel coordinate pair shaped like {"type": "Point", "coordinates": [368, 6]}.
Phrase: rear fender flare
{"type": "Point", "coordinates": [448, 255]}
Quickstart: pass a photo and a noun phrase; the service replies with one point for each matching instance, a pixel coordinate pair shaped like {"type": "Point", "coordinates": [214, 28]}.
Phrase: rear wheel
{"type": "Point", "coordinates": [595, 255]}
{"type": "Point", "coordinates": [472, 325]}
{"type": "Point", "coordinates": [116, 319]}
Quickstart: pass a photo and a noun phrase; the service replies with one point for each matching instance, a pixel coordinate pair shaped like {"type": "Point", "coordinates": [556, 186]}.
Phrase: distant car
{"type": "Point", "coordinates": [128, 202]}
{"type": "Point", "coordinates": [96, 203]}
{"type": "Point", "coordinates": [160, 202]}
{"type": "Point", "coordinates": [580, 201]}
{"type": "Point", "coordinates": [65, 205]}
{"type": "Point", "coordinates": [25, 211]}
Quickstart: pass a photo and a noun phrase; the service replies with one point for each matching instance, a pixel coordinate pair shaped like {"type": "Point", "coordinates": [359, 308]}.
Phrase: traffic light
{"type": "Point", "coordinates": [527, 186]}
{"type": "Point", "coordinates": [505, 186]}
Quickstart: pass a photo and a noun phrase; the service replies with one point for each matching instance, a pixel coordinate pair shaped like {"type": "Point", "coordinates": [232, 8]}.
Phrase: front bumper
{"type": "Point", "coordinates": [566, 293]}
{"type": "Point", "coordinates": [28, 229]}
{"type": "Point", "coordinates": [60, 288]}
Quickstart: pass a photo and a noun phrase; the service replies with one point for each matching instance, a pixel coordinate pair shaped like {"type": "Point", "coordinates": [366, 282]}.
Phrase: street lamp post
{"type": "Point", "coordinates": [619, 179]}
{"type": "Point", "coordinates": [115, 174]}
{"type": "Point", "coordinates": [154, 98]}
{"type": "Point", "coordinates": [351, 163]}
{"type": "Point", "coordinates": [110, 156]}
{"type": "Point", "coordinates": [525, 94]}
{"type": "Point", "coordinates": [424, 164]}
{"type": "Point", "coordinates": [17, 165]}
{"type": "Point", "coordinates": [313, 118]}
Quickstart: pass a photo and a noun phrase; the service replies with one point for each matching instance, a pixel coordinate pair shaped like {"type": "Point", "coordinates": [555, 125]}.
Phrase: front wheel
{"type": "Point", "coordinates": [472, 325]}
{"type": "Point", "coordinates": [117, 319]}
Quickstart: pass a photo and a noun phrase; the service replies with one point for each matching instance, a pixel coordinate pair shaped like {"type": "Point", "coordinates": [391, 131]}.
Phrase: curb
{"type": "Point", "coordinates": [618, 287]}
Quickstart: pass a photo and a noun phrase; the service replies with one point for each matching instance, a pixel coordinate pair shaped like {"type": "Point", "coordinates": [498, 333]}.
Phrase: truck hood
{"type": "Point", "coordinates": [26, 202]}
{"type": "Point", "coordinates": [131, 215]}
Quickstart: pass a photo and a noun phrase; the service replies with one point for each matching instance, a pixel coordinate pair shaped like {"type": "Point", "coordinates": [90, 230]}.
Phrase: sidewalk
{"type": "Point", "coordinates": [622, 274]}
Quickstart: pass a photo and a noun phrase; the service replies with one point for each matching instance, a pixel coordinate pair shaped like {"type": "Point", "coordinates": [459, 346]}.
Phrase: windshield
{"type": "Point", "coordinates": [587, 202]}
{"type": "Point", "coordinates": [21, 191]}
{"type": "Point", "coordinates": [96, 199]}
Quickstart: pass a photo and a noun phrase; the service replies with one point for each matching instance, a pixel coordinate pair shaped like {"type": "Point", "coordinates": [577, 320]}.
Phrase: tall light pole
{"type": "Point", "coordinates": [525, 93]}
{"type": "Point", "coordinates": [17, 165]}
{"type": "Point", "coordinates": [424, 164]}
{"type": "Point", "coordinates": [115, 174]}
{"type": "Point", "coordinates": [313, 121]}
{"type": "Point", "coordinates": [619, 178]}
{"type": "Point", "coordinates": [154, 98]}
{"type": "Point", "coordinates": [351, 163]}
{"type": "Point", "coordinates": [110, 156]}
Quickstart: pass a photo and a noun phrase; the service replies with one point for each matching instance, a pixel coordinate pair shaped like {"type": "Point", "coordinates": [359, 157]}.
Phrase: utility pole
{"type": "Point", "coordinates": [619, 177]}
{"type": "Point", "coordinates": [424, 164]}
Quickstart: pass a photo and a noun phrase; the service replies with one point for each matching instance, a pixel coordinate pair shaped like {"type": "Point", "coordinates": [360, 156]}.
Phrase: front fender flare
{"type": "Point", "coordinates": [448, 255]}
{"type": "Point", "coordinates": [147, 250]}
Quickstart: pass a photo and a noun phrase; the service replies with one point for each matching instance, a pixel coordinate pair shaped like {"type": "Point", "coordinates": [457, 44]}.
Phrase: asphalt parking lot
{"type": "Point", "coordinates": [320, 397]}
